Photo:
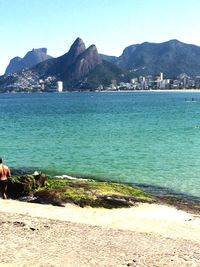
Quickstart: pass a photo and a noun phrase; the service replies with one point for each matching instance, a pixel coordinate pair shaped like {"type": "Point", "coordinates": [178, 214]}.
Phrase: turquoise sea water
{"type": "Point", "coordinates": [149, 139]}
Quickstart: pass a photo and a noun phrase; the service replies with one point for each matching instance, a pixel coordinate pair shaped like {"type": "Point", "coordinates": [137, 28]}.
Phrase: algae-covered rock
{"type": "Point", "coordinates": [24, 185]}
{"type": "Point", "coordinates": [90, 193]}
{"type": "Point", "coordinates": [82, 193]}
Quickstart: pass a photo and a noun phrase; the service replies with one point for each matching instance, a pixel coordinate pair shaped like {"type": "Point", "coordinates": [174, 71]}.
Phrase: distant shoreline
{"type": "Point", "coordinates": [111, 91]}
{"type": "Point", "coordinates": [149, 91]}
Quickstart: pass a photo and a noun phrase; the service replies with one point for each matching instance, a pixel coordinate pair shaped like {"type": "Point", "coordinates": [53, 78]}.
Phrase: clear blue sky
{"type": "Point", "coordinates": [111, 25]}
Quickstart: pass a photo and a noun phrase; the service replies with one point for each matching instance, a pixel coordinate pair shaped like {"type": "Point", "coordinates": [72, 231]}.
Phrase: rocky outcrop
{"type": "Point", "coordinates": [14, 65]}
{"type": "Point", "coordinates": [24, 185]}
{"type": "Point", "coordinates": [86, 62]}
{"type": "Point", "coordinates": [60, 66]}
{"type": "Point", "coordinates": [77, 48]}
{"type": "Point", "coordinates": [30, 59]}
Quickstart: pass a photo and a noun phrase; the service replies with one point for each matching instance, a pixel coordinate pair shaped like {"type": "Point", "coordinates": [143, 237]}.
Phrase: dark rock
{"type": "Point", "coordinates": [48, 197]}
{"type": "Point", "coordinates": [19, 186]}
{"type": "Point", "coordinates": [60, 66]}
{"type": "Point", "coordinates": [77, 48]}
{"type": "Point", "coordinates": [17, 223]}
{"type": "Point", "coordinates": [86, 62]}
{"type": "Point", "coordinates": [33, 228]}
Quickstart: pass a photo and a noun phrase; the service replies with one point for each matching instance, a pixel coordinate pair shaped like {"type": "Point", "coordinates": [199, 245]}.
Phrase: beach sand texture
{"type": "Point", "coordinates": [146, 235]}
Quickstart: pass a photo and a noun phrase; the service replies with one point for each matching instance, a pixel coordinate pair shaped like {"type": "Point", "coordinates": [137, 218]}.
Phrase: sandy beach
{"type": "Point", "coordinates": [146, 235]}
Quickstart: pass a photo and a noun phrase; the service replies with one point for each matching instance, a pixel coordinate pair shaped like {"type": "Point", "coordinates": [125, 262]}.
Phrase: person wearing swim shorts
{"type": "Point", "coordinates": [4, 174]}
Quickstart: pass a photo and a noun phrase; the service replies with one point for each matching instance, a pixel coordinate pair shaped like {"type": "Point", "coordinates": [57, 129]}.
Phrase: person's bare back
{"type": "Point", "coordinates": [4, 174]}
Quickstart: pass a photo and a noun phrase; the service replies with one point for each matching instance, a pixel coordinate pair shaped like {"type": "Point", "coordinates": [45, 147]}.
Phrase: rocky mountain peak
{"type": "Point", "coordinates": [86, 62]}
{"type": "Point", "coordinates": [92, 55]}
{"type": "Point", "coordinates": [76, 49]}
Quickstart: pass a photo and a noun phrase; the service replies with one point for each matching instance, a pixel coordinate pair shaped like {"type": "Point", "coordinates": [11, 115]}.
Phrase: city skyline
{"type": "Point", "coordinates": [110, 25]}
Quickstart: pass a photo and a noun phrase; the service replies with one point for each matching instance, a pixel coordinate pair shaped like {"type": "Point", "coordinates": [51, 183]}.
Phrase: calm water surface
{"type": "Point", "coordinates": [149, 139]}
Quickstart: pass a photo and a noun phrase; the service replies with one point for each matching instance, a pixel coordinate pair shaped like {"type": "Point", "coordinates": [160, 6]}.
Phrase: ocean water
{"type": "Point", "coordinates": [151, 140]}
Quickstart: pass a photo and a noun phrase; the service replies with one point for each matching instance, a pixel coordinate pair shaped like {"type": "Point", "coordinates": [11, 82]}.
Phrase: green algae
{"type": "Point", "coordinates": [25, 185]}
{"type": "Point", "coordinates": [90, 193]}
{"type": "Point", "coordinates": [79, 192]}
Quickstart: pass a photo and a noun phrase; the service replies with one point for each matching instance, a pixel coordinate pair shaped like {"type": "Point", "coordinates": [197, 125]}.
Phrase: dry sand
{"type": "Point", "coordinates": [146, 235]}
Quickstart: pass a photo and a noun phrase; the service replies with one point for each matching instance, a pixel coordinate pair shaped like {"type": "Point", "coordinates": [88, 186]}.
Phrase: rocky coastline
{"type": "Point", "coordinates": [60, 190]}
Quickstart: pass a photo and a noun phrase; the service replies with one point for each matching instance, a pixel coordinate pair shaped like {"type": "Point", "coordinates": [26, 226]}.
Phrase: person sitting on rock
{"type": "Point", "coordinates": [4, 174]}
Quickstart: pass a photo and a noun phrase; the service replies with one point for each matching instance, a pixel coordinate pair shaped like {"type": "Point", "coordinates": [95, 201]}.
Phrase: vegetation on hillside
{"type": "Point", "coordinates": [104, 74]}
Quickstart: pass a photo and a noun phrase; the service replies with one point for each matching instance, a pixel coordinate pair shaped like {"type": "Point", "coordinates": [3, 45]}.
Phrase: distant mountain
{"type": "Point", "coordinates": [80, 68]}
{"type": "Point", "coordinates": [71, 67]}
{"type": "Point", "coordinates": [84, 68]}
{"type": "Point", "coordinates": [172, 58]}
{"type": "Point", "coordinates": [111, 59]}
{"type": "Point", "coordinates": [30, 59]}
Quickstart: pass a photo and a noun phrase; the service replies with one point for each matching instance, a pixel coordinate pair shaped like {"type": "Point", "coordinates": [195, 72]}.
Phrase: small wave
{"type": "Point", "coordinates": [67, 177]}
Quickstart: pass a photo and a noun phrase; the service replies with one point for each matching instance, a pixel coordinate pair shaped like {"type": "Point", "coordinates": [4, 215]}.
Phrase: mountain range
{"type": "Point", "coordinates": [80, 67]}
{"type": "Point", "coordinates": [84, 68]}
